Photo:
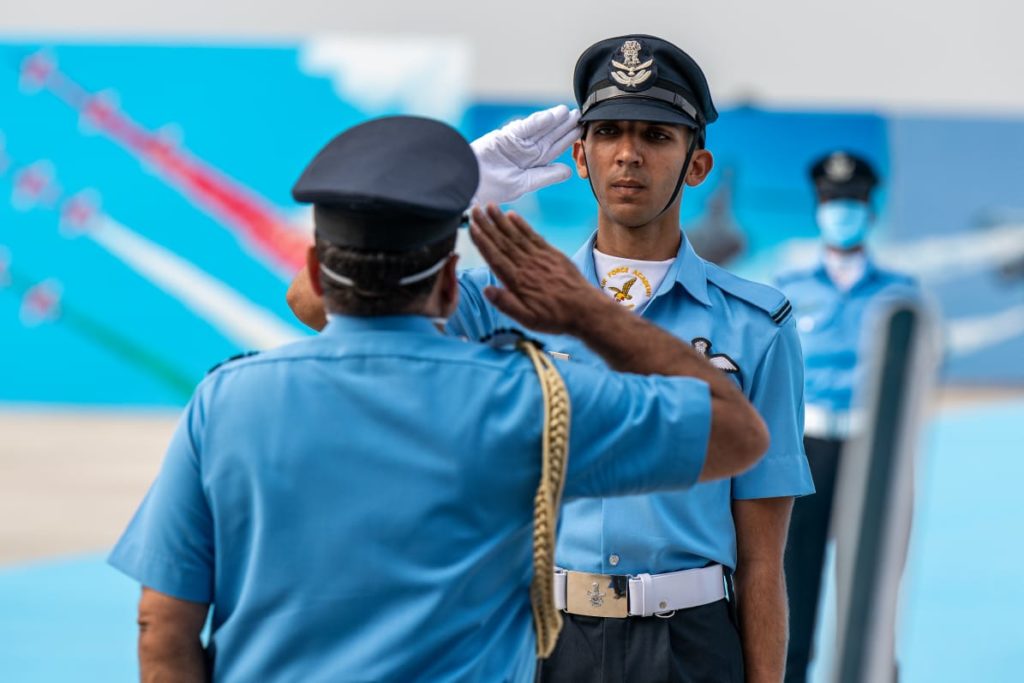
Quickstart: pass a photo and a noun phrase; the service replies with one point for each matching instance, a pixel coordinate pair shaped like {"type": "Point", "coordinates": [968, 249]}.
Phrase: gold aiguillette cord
{"type": "Point", "coordinates": [547, 619]}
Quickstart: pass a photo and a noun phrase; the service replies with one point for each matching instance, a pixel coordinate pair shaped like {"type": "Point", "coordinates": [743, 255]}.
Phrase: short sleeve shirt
{"type": "Point", "coordinates": [746, 330]}
{"type": "Point", "coordinates": [834, 325]}
{"type": "Point", "coordinates": [358, 505]}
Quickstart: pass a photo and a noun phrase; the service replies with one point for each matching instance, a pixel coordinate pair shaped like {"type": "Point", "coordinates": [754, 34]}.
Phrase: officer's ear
{"type": "Point", "coordinates": [580, 156]}
{"type": "Point", "coordinates": [700, 167]}
{"type": "Point", "coordinates": [449, 287]}
{"type": "Point", "coordinates": [313, 270]}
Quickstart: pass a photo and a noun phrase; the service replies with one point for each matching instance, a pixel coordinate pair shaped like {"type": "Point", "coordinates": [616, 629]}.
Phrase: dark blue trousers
{"type": "Point", "coordinates": [805, 554]}
{"type": "Point", "coordinates": [697, 645]}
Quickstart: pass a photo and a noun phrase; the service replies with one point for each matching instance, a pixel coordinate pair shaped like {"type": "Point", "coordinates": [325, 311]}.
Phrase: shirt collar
{"type": "Point", "coordinates": [870, 271]}
{"type": "Point", "coordinates": [584, 259]}
{"type": "Point", "coordinates": [342, 325]}
{"type": "Point", "coordinates": [688, 269]}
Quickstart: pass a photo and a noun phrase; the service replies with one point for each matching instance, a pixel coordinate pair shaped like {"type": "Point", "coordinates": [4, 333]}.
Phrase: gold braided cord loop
{"type": "Point", "coordinates": [547, 619]}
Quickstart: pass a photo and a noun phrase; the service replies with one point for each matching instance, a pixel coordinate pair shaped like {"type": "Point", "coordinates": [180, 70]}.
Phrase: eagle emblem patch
{"type": "Point", "coordinates": [620, 282]}
{"type": "Point", "coordinates": [719, 360]}
{"type": "Point", "coordinates": [623, 294]}
{"type": "Point", "coordinates": [636, 67]}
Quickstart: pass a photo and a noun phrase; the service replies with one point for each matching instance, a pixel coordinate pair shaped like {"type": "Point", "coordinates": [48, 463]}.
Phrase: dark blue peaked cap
{"type": "Point", "coordinates": [642, 78]}
{"type": "Point", "coordinates": [393, 184]}
{"type": "Point", "coordinates": [842, 174]}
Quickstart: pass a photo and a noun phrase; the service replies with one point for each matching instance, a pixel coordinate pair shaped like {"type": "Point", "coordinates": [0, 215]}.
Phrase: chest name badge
{"type": "Point", "coordinates": [719, 360]}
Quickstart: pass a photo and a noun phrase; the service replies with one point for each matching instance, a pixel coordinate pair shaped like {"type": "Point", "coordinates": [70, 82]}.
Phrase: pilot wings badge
{"type": "Point", "coordinates": [631, 72]}
{"type": "Point", "coordinates": [719, 360]}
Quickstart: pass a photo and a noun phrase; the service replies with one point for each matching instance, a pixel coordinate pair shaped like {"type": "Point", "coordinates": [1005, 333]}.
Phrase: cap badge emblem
{"type": "Point", "coordinates": [631, 72]}
{"type": "Point", "coordinates": [839, 168]}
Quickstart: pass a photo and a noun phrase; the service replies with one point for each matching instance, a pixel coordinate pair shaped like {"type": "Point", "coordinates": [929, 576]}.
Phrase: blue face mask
{"type": "Point", "coordinates": [844, 222]}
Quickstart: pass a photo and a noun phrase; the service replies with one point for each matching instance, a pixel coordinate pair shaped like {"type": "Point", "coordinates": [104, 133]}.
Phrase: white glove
{"type": "Point", "coordinates": [516, 159]}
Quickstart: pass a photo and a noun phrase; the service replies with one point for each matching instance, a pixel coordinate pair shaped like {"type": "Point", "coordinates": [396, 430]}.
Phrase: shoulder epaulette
{"type": "Point", "coordinates": [506, 338]}
{"type": "Point", "coordinates": [237, 356]}
{"type": "Point", "coordinates": [899, 278]}
{"type": "Point", "coordinates": [792, 275]}
{"type": "Point", "coordinates": [782, 313]}
{"type": "Point", "coordinates": [768, 299]}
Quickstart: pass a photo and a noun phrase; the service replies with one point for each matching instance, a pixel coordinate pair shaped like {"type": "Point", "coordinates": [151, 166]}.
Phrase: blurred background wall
{"type": "Point", "coordinates": [902, 53]}
{"type": "Point", "coordinates": [147, 151]}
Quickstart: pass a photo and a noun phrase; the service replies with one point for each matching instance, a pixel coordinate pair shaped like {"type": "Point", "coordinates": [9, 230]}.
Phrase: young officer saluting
{"type": "Point", "coordinates": [833, 304]}
{"type": "Point", "coordinates": [357, 505]}
{"type": "Point", "coordinates": [643, 578]}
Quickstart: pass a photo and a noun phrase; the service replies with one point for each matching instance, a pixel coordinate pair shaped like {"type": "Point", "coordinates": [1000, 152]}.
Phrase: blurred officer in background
{"type": "Point", "coordinates": [357, 505]}
{"type": "Point", "coordinates": [833, 304]}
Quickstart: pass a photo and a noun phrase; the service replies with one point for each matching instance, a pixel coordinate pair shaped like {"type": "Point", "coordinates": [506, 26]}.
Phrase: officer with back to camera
{"type": "Point", "coordinates": [647, 579]}
{"type": "Point", "coordinates": [833, 303]}
{"type": "Point", "coordinates": [357, 505]}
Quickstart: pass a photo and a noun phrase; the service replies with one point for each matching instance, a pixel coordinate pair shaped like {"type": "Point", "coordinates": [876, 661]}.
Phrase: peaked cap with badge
{"type": "Point", "coordinates": [843, 175]}
{"type": "Point", "coordinates": [392, 184]}
{"type": "Point", "coordinates": [642, 78]}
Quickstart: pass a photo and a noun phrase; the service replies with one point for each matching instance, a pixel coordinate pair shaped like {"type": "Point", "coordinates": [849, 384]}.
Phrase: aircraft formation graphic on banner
{"type": "Point", "coordinates": [196, 228]}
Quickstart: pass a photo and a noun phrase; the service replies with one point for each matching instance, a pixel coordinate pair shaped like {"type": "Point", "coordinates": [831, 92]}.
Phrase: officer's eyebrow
{"type": "Point", "coordinates": [639, 126]}
{"type": "Point", "coordinates": [674, 129]}
{"type": "Point", "coordinates": [658, 125]}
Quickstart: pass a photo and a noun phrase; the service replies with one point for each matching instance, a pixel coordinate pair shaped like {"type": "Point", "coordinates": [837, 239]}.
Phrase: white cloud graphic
{"type": "Point", "coordinates": [381, 75]}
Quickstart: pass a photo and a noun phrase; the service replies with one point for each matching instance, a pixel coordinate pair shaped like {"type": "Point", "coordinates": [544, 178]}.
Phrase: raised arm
{"type": "Point", "coordinates": [516, 159]}
{"type": "Point", "coordinates": [565, 303]}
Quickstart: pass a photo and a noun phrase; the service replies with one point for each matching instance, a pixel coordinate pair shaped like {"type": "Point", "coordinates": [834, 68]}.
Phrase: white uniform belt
{"type": "Point", "coordinates": [823, 423]}
{"type": "Point", "coordinates": [639, 595]}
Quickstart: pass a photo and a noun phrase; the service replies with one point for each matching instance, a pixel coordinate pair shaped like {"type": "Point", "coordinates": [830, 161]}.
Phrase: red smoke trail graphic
{"type": "Point", "coordinates": [232, 204]}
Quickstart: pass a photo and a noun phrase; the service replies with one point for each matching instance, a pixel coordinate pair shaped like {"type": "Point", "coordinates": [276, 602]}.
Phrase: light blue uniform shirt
{"type": "Point", "coordinates": [358, 505]}
{"type": "Point", "coordinates": [832, 325]}
{"type": "Point", "coordinates": [749, 328]}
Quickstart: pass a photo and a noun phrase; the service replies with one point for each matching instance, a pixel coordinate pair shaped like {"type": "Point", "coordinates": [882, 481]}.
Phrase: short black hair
{"type": "Point", "coordinates": [375, 274]}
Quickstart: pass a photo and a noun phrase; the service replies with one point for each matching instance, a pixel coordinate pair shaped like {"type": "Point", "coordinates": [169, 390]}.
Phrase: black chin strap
{"type": "Point", "coordinates": [586, 164]}
{"type": "Point", "coordinates": [691, 148]}
{"type": "Point", "coordinates": [682, 174]}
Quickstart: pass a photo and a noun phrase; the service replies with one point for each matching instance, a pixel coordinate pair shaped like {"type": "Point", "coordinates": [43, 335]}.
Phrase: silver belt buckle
{"type": "Point", "coordinates": [597, 595]}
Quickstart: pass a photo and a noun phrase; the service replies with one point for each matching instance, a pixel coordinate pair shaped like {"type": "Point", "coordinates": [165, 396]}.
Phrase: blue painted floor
{"type": "Point", "coordinates": [74, 619]}
{"type": "Point", "coordinates": [964, 600]}
{"type": "Point", "coordinates": [963, 590]}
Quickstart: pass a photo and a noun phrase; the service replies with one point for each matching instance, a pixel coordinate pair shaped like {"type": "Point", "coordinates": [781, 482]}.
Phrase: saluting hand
{"type": "Point", "coordinates": [543, 290]}
{"type": "Point", "coordinates": [519, 158]}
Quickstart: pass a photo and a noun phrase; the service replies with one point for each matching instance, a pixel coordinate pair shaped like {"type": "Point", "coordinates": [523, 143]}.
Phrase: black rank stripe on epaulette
{"type": "Point", "coordinates": [237, 356]}
{"type": "Point", "coordinates": [507, 337]}
{"type": "Point", "coordinates": [782, 312]}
